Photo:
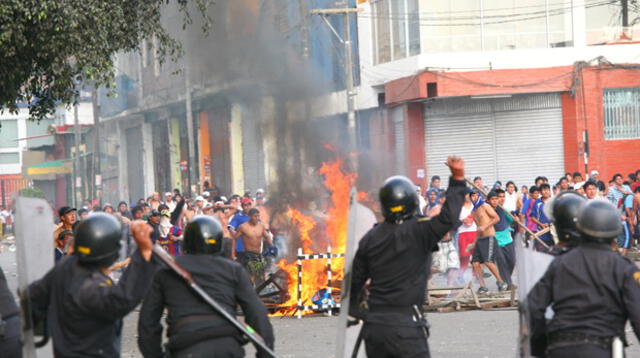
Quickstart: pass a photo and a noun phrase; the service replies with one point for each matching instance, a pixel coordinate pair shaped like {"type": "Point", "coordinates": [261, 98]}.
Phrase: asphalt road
{"type": "Point", "coordinates": [460, 334]}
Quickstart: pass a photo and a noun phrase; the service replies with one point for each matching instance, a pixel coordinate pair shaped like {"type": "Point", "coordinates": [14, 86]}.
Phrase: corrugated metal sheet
{"type": "Point", "coordinates": [253, 155]}
{"type": "Point", "coordinates": [397, 116]}
{"type": "Point", "coordinates": [529, 143]}
{"type": "Point", "coordinates": [469, 136]}
{"type": "Point", "coordinates": [503, 139]}
{"type": "Point", "coordinates": [11, 184]}
{"type": "Point", "coordinates": [135, 174]}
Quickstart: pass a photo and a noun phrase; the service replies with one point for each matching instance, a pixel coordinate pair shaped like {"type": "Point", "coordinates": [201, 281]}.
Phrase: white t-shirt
{"type": "Point", "coordinates": [464, 212]}
{"type": "Point", "coordinates": [423, 203]}
{"type": "Point", "coordinates": [510, 201]}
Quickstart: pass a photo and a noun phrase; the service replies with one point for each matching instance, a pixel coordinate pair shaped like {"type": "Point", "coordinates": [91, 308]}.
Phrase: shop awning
{"type": "Point", "coordinates": [53, 167]}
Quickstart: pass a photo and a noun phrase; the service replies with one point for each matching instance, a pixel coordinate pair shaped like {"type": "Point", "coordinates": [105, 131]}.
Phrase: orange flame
{"type": "Point", "coordinates": [314, 278]}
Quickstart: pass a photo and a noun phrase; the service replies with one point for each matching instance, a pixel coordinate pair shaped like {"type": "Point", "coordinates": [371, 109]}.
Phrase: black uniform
{"type": "Point", "coordinates": [593, 291]}
{"type": "Point", "coordinates": [397, 259]}
{"type": "Point", "coordinates": [85, 308]}
{"type": "Point", "coordinates": [195, 329]}
{"type": "Point", "coordinates": [10, 344]}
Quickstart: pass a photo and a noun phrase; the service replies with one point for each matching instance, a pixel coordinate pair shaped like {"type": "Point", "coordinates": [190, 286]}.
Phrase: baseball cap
{"type": "Point", "coordinates": [199, 198]}
{"type": "Point", "coordinates": [65, 210]}
{"type": "Point", "coordinates": [246, 201]}
{"type": "Point", "coordinates": [260, 191]}
{"type": "Point", "coordinates": [594, 172]}
{"type": "Point", "coordinates": [206, 194]}
{"type": "Point", "coordinates": [154, 213]}
{"type": "Point", "coordinates": [168, 193]}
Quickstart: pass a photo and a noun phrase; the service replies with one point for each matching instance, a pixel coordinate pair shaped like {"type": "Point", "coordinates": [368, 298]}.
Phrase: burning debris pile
{"type": "Point", "coordinates": [317, 235]}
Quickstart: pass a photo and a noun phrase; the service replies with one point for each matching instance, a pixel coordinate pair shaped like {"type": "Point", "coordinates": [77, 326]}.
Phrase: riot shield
{"type": "Point", "coordinates": [34, 257]}
{"type": "Point", "coordinates": [361, 219]}
{"type": "Point", "coordinates": [531, 265]}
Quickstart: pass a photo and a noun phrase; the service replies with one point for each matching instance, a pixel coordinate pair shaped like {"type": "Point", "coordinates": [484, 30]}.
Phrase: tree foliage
{"type": "Point", "coordinates": [49, 47]}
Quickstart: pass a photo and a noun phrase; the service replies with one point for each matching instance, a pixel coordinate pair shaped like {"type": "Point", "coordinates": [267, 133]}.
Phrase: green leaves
{"type": "Point", "coordinates": [49, 47]}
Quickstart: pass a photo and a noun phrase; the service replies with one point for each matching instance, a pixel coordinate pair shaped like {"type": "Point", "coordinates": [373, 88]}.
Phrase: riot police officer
{"type": "Point", "coordinates": [194, 328]}
{"type": "Point", "coordinates": [396, 256]}
{"type": "Point", "coordinates": [593, 291]}
{"type": "Point", "coordinates": [84, 307]}
{"type": "Point", "coordinates": [10, 344]}
{"type": "Point", "coordinates": [563, 212]}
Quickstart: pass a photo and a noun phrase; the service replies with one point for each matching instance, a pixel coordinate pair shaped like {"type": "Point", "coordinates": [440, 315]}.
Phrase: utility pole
{"type": "Point", "coordinates": [348, 69]}
{"type": "Point", "coordinates": [190, 133]}
{"type": "Point", "coordinates": [96, 192]}
{"type": "Point", "coordinates": [77, 181]}
{"type": "Point", "coordinates": [625, 13]}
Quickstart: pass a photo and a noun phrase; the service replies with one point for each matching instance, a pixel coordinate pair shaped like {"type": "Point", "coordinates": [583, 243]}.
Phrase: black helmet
{"type": "Point", "coordinates": [97, 240]}
{"type": "Point", "coordinates": [398, 199]}
{"type": "Point", "coordinates": [563, 210]}
{"type": "Point", "coordinates": [599, 221]}
{"type": "Point", "coordinates": [203, 235]}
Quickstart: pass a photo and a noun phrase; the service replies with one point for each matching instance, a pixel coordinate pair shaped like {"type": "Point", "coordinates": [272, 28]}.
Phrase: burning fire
{"type": "Point", "coordinates": [314, 278]}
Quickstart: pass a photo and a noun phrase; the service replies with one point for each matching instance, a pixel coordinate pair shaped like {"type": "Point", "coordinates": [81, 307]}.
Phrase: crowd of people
{"type": "Point", "coordinates": [487, 227]}
{"type": "Point", "coordinates": [245, 220]}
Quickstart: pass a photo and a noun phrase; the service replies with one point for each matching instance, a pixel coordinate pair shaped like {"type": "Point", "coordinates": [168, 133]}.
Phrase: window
{"type": "Point", "coordinates": [409, 27]}
{"type": "Point", "coordinates": [38, 128]}
{"type": "Point", "coordinates": [382, 35]}
{"type": "Point", "coordinates": [9, 158]}
{"type": "Point", "coordinates": [621, 113]}
{"type": "Point", "coordinates": [399, 23]}
{"type": "Point", "coordinates": [604, 22]}
{"type": "Point", "coordinates": [9, 134]}
{"type": "Point", "coordinates": [396, 33]}
{"type": "Point", "coordinates": [414, 27]}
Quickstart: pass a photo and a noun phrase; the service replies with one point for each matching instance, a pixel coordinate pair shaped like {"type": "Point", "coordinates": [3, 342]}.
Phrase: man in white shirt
{"type": "Point", "coordinates": [168, 200]}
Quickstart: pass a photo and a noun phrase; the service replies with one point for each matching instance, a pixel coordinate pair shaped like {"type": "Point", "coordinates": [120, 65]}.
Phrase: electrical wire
{"type": "Point", "coordinates": [513, 18]}
{"type": "Point", "coordinates": [477, 17]}
{"type": "Point", "coordinates": [542, 5]}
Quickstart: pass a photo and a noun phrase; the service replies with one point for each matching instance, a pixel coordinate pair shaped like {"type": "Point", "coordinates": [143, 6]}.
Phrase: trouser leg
{"type": "Point", "coordinates": [223, 347]}
{"type": "Point", "coordinates": [383, 341]}
{"type": "Point", "coordinates": [580, 351]}
{"type": "Point", "coordinates": [10, 345]}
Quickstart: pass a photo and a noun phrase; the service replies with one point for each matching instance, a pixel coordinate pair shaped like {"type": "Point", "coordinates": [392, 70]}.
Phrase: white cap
{"type": "Point", "coordinates": [168, 193]}
{"type": "Point", "coordinates": [594, 172]}
{"type": "Point", "coordinates": [223, 198]}
{"type": "Point", "coordinates": [207, 205]}
{"type": "Point", "coordinates": [260, 191]}
{"type": "Point", "coordinates": [199, 198]}
{"type": "Point", "coordinates": [577, 186]}
{"type": "Point", "coordinates": [206, 194]}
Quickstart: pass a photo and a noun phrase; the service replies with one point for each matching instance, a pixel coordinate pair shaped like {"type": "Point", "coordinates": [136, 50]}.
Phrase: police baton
{"type": "Point", "coordinates": [244, 328]}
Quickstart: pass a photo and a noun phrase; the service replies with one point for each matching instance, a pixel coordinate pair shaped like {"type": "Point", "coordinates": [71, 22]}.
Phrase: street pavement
{"type": "Point", "coordinates": [470, 334]}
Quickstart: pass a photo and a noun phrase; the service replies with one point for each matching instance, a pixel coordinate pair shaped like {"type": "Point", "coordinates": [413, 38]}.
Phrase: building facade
{"type": "Point", "coordinates": [518, 89]}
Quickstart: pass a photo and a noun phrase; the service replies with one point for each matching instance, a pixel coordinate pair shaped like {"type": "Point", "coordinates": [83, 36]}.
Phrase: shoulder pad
{"type": "Point", "coordinates": [106, 282]}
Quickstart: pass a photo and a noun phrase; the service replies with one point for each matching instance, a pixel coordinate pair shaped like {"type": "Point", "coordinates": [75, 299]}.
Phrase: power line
{"type": "Point", "coordinates": [513, 18]}
{"type": "Point", "coordinates": [564, 3]}
{"type": "Point", "coordinates": [449, 18]}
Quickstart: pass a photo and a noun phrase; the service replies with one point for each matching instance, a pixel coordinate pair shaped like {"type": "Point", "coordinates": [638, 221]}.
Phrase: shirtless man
{"type": "Point", "coordinates": [252, 232]}
{"type": "Point", "coordinates": [485, 248]}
